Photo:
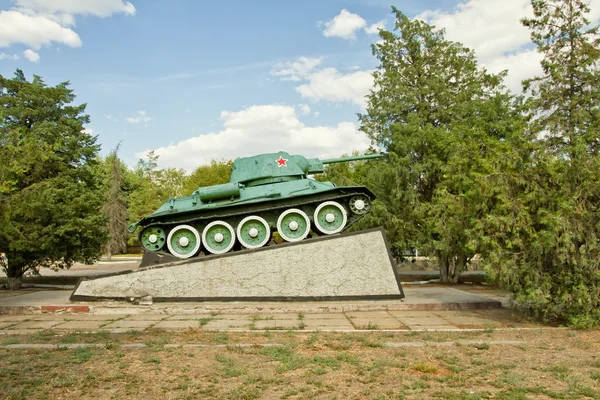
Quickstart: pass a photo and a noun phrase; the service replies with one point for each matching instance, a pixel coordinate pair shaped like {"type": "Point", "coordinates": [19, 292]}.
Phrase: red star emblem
{"type": "Point", "coordinates": [282, 162]}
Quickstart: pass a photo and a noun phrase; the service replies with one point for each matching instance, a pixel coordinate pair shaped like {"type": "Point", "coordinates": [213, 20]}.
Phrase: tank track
{"type": "Point", "coordinates": [260, 210]}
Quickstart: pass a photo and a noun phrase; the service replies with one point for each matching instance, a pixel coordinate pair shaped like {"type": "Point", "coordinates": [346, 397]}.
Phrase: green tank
{"type": "Point", "coordinates": [266, 193]}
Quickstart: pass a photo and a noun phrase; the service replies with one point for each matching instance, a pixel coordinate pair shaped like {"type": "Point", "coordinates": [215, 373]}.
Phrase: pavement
{"type": "Point", "coordinates": [99, 268]}
{"type": "Point", "coordinates": [426, 307]}
{"type": "Point", "coordinates": [338, 322]}
{"type": "Point", "coordinates": [442, 308]}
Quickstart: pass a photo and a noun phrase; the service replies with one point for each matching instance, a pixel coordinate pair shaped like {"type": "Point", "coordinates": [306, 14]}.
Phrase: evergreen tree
{"type": "Point", "coordinates": [115, 205]}
{"type": "Point", "coordinates": [542, 239]}
{"type": "Point", "coordinates": [50, 199]}
{"type": "Point", "coordinates": [441, 118]}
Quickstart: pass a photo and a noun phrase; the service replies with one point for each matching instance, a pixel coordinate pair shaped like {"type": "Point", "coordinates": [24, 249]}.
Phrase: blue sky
{"type": "Point", "coordinates": [226, 79]}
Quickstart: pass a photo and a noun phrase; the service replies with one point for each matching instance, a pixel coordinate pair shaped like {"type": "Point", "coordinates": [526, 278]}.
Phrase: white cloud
{"type": "Point", "coordinates": [262, 129]}
{"type": "Point", "coordinates": [99, 8]}
{"type": "Point", "coordinates": [89, 131]}
{"type": "Point", "coordinates": [344, 25]}
{"type": "Point", "coordinates": [34, 31]}
{"type": "Point", "coordinates": [31, 55]}
{"type": "Point", "coordinates": [4, 56]}
{"type": "Point", "coordinates": [141, 118]}
{"type": "Point", "coordinates": [304, 109]}
{"type": "Point", "coordinates": [295, 70]}
{"type": "Point", "coordinates": [522, 65]}
{"type": "Point", "coordinates": [316, 114]}
{"type": "Point", "coordinates": [110, 117]}
{"type": "Point", "coordinates": [331, 85]}
{"type": "Point", "coordinates": [38, 23]}
{"type": "Point", "coordinates": [374, 29]}
{"type": "Point", "coordinates": [327, 84]}
{"type": "Point", "coordinates": [494, 31]}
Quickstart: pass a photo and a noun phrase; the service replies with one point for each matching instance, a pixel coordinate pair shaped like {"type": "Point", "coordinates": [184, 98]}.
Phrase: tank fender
{"type": "Point", "coordinates": [219, 192]}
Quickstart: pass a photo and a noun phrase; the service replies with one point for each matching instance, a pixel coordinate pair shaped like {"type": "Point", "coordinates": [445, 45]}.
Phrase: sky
{"type": "Point", "coordinates": [197, 80]}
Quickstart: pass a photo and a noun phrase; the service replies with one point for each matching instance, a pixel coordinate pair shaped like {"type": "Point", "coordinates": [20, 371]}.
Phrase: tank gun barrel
{"type": "Point", "coordinates": [354, 158]}
{"type": "Point", "coordinates": [316, 166]}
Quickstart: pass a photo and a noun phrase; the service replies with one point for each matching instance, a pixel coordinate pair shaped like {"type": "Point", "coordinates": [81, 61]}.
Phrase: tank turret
{"type": "Point", "coordinates": [266, 193]}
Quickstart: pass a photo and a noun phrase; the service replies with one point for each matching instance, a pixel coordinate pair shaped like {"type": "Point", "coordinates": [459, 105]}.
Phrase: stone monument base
{"type": "Point", "coordinates": [348, 266]}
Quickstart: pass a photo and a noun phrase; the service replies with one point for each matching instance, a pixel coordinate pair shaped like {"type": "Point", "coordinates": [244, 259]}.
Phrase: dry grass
{"type": "Point", "coordinates": [561, 364]}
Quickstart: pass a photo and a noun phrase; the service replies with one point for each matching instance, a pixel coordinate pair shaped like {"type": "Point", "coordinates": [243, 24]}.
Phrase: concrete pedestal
{"type": "Point", "coordinates": [349, 266]}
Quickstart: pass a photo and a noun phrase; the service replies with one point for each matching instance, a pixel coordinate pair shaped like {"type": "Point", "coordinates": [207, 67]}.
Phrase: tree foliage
{"type": "Point", "coordinates": [441, 118]}
{"type": "Point", "coordinates": [215, 173]}
{"type": "Point", "coordinates": [152, 186]}
{"type": "Point", "coordinates": [542, 238]}
{"type": "Point", "coordinates": [115, 205]}
{"type": "Point", "coordinates": [49, 198]}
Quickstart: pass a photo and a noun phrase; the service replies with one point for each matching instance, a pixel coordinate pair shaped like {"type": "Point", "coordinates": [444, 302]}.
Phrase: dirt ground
{"type": "Point", "coordinates": [498, 364]}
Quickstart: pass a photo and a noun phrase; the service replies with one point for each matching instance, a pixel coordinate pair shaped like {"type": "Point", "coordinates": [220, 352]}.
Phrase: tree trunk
{"type": "Point", "coordinates": [14, 283]}
{"type": "Point", "coordinates": [14, 273]}
{"type": "Point", "coordinates": [443, 265]}
{"type": "Point", "coordinates": [450, 267]}
{"type": "Point", "coordinates": [108, 254]}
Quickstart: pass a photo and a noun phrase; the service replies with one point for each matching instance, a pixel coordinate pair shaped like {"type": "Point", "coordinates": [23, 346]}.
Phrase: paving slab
{"type": "Point", "coordinates": [415, 321]}
{"type": "Point", "coordinates": [80, 326]}
{"type": "Point", "coordinates": [122, 330]}
{"type": "Point", "coordinates": [129, 325]}
{"type": "Point", "coordinates": [328, 324]}
{"type": "Point", "coordinates": [227, 324]}
{"type": "Point", "coordinates": [38, 298]}
{"type": "Point", "coordinates": [183, 317]}
{"type": "Point", "coordinates": [278, 323]}
{"type": "Point", "coordinates": [36, 325]}
{"type": "Point", "coordinates": [11, 332]}
{"type": "Point", "coordinates": [279, 316]}
{"type": "Point", "coordinates": [4, 294]}
{"type": "Point", "coordinates": [146, 317]}
{"type": "Point", "coordinates": [240, 317]}
{"type": "Point", "coordinates": [367, 314]}
{"type": "Point", "coordinates": [377, 323]}
{"type": "Point", "coordinates": [177, 325]}
{"type": "Point", "coordinates": [7, 324]}
{"type": "Point", "coordinates": [105, 318]}
{"type": "Point", "coordinates": [51, 317]}
{"type": "Point", "coordinates": [320, 316]}
{"type": "Point", "coordinates": [14, 317]}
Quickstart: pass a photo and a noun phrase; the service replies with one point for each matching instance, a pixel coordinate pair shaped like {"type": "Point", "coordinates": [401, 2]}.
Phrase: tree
{"type": "Point", "coordinates": [115, 205]}
{"type": "Point", "coordinates": [564, 101]}
{"type": "Point", "coordinates": [215, 173]}
{"type": "Point", "coordinates": [49, 198]}
{"type": "Point", "coordinates": [151, 187]}
{"type": "Point", "coordinates": [542, 238]}
{"type": "Point", "coordinates": [441, 118]}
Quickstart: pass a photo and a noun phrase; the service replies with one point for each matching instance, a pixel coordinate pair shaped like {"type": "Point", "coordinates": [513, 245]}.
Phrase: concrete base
{"type": "Point", "coordinates": [351, 266]}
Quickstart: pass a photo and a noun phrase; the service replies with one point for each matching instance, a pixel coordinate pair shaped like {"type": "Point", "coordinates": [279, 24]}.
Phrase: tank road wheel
{"type": "Point", "coordinates": [153, 238]}
{"type": "Point", "coordinates": [218, 237]}
{"type": "Point", "coordinates": [183, 241]}
{"type": "Point", "coordinates": [330, 217]}
{"type": "Point", "coordinates": [293, 225]}
{"type": "Point", "coordinates": [360, 204]}
{"type": "Point", "coordinates": [253, 232]}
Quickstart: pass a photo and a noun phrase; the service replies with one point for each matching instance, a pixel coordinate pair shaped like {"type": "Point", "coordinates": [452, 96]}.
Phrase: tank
{"type": "Point", "coordinates": [266, 193]}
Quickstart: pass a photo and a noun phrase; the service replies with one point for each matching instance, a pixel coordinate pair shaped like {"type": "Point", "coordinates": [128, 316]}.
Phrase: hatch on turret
{"type": "Point", "coordinates": [269, 168]}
